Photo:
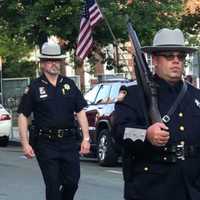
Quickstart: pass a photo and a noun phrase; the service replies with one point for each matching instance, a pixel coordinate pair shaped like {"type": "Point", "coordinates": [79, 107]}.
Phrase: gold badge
{"type": "Point", "coordinates": [66, 87]}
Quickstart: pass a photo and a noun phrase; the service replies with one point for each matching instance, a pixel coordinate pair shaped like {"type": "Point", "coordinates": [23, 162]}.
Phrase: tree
{"type": "Point", "coordinates": [191, 23]}
{"type": "Point", "coordinates": [27, 23]}
{"type": "Point", "coordinates": [13, 49]}
{"type": "Point", "coordinates": [32, 21]}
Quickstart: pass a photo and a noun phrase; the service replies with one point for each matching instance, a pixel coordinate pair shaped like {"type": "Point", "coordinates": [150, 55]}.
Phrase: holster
{"type": "Point", "coordinates": [78, 134]}
{"type": "Point", "coordinates": [33, 135]}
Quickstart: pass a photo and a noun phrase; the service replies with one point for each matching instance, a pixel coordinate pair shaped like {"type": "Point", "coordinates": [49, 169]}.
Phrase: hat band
{"type": "Point", "coordinates": [169, 45]}
{"type": "Point", "coordinates": [50, 54]}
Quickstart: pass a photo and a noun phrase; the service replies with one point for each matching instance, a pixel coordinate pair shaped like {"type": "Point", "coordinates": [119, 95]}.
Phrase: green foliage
{"type": "Point", "coordinates": [14, 49]}
{"type": "Point", "coordinates": [26, 23]}
{"type": "Point", "coordinates": [19, 69]}
{"type": "Point", "coordinates": [149, 16]}
{"type": "Point", "coordinates": [35, 20]}
{"type": "Point", "coordinates": [191, 24]}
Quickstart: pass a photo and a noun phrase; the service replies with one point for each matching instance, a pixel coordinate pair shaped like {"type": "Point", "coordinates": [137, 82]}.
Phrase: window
{"type": "Point", "coordinates": [103, 94]}
{"type": "Point", "coordinates": [114, 91]}
{"type": "Point", "coordinates": [91, 94]}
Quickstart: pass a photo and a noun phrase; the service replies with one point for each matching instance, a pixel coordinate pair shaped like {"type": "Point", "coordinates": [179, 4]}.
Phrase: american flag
{"type": "Point", "coordinates": [90, 17]}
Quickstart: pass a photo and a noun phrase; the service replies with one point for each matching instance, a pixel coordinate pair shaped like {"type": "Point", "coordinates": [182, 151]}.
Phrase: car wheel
{"type": "Point", "coordinates": [105, 151]}
{"type": "Point", "coordinates": [4, 141]}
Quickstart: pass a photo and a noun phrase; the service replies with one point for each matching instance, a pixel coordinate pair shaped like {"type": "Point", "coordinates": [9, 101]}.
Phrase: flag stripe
{"type": "Point", "coordinates": [90, 17]}
{"type": "Point", "coordinates": [95, 15]}
{"type": "Point", "coordinates": [84, 30]}
{"type": "Point", "coordinates": [95, 21]}
{"type": "Point", "coordinates": [84, 41]}
{"type": "Point", "coordinates": [86, 49]}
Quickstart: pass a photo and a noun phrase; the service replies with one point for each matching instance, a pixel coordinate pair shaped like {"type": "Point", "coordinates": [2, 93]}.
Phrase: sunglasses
{"type": "Point", "coordinates": [51, 60]}
{"type": "Point", "coordinates": [171, 56]}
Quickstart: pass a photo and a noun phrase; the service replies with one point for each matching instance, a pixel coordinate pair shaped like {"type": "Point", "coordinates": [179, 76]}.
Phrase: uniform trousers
{"type": "Point", "coordinates": [149, 181]}
{"type": "Point", "coordinates": [60, 166]}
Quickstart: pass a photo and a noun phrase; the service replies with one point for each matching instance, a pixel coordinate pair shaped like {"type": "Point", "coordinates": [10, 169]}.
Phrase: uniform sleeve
{"type": "Point", "coordinates": [123, 117]}
{"type": "Point", "coordinates": [80, 102]}
{"type": "Point", "coordinates": [128, 118]}
{"type": "Point", "coordinates": [26, 103]}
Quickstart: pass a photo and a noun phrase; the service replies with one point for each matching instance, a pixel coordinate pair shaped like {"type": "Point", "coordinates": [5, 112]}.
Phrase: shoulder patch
{"type": "Point", "coordinates": [197, 102]}
{"type": "Point", "coordinates": [26, 90]}
{"type": "Point", "coordinates": [121, 95]}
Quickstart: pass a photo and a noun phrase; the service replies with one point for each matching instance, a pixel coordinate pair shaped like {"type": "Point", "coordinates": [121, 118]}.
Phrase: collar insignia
{"type": "Point", "coordinates": [196, 101]}
{"type": "Point", "coordinates": [44, 81]}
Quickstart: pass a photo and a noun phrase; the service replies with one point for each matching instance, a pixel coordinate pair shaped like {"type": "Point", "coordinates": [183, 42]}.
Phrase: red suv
{"type": "Point", "coordinates": [101, 99]}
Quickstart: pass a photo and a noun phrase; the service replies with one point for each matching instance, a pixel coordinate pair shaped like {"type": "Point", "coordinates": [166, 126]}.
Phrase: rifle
{"type": "Point", "coordinates": [144, 79]}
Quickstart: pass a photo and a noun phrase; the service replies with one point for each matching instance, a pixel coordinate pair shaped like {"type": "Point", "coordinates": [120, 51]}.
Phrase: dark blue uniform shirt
{"type": "Point", "coordinates": [184, 123]}
{"type": "Point", "coordinates": [147, 175]}
{"type": "Point", "coordinates": [52, 106]}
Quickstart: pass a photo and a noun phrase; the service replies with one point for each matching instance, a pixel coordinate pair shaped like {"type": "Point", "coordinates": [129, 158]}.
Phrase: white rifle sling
{"type": "Point", "coordinates": [134, 134]}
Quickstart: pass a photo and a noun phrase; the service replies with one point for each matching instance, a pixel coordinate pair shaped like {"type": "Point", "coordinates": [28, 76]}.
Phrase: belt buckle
{"type": "Point", "coordinates": [180, 151]}
{"type": "Point", "coordinates": [60, 133]}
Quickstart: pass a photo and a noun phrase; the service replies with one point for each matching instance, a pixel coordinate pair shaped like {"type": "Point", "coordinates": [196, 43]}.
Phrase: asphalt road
{"type": "Point", "coordinates": [20, 179]}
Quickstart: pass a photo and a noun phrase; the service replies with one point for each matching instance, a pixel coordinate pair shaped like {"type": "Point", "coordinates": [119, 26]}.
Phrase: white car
{"type": "Point", "coordinates": [5, 126]}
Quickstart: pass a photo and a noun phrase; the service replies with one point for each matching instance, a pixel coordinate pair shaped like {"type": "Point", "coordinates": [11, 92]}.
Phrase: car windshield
{"type": "Point", "coordinates": [90, 95]}
{"type": "Point", "coordinates": [114, 91]}
{"type": "Point", "coordinates": [103, 94]}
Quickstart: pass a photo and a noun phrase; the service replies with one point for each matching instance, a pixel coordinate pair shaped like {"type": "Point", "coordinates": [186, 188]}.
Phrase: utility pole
{"type": "Point", "coordinates": [115, 44]}
{"type": "Point", "coordinates": [198, 66]}
{"type": "Point", "coordinates": [115, 41]}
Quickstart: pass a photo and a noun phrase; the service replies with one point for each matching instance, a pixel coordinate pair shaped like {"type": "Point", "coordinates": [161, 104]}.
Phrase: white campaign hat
{"type": "Point", "coordinates": [51, 50]}
{"type": "Point", "coordinates": [168, 40]}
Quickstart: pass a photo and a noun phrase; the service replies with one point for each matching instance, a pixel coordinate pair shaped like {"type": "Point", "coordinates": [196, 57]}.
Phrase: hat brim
{"type": "Point", "coordinates": [154, 49]}
{"type": "Point", "coordinates": [51, 57]}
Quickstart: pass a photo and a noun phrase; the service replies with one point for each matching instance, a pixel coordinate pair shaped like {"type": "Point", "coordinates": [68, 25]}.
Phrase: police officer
{"type": "Point", "coordinates": [53, 99]}
{"type": "Point", "coordinates": [162, 161]}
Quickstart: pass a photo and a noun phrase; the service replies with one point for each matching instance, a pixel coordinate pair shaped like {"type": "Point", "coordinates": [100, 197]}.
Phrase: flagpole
{"type": "Point", "coordinates": [112, 34]}
{"type": "Point", "coordinates": [114, 38]}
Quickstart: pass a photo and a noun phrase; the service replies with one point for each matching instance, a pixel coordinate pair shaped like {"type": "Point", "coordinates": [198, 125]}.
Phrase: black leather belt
{"type": "Point", "coordinates": [174, 153]}
{"type": "Point", "coordinates": [56, 133]}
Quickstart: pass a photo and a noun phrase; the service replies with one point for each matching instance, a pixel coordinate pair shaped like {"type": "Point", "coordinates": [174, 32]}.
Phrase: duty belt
{"type": "Point", "coordinates": [56, 133]}
{"type": "Point", "coordinates": [174, 153]}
